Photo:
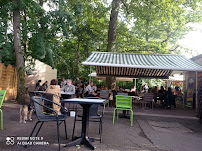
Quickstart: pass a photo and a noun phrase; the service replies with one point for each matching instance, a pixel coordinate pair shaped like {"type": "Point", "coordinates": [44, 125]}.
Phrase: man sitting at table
{"type": "Point", "coordinates": [63, 82]}
{"type": "Point", "coordinates": [90, 91]}
{"type": "Point", "coordinates": [69, 88]}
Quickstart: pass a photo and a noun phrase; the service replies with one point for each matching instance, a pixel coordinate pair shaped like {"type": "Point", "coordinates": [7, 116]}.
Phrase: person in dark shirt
{"type": "Point", "coordinates": [81, 90]}
{"type": "Point", "coordinates": [38, 85]}
{"type": "Point", "coordinates": [45, 86]}
{"type": "Point", "coordinates": [177, 89]}
{"type": "Point", "coordinates": [169, 99]}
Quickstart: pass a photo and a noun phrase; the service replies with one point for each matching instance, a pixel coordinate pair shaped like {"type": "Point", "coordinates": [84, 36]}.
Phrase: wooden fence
{"type": "Point", "coordinates": [8, 81]}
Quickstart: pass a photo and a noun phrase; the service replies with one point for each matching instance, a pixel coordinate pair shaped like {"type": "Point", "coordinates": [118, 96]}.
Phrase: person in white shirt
{"type": "Point", "coordinates": [94, 87]}
{"type": "Point", "coordinates": [133, 89]}
{"type": "Point", "coordinates": [69, 88]}
{"type": "Point", "coordinates": [63, 83]}
{"type": "Point", "coordinates": [146, 88]}
{"type": "Point", "coordinates": [90, 90]}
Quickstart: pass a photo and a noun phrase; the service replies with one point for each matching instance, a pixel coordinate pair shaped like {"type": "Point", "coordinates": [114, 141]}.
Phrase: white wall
{"type": "Point", "coordinates": [42, 72]}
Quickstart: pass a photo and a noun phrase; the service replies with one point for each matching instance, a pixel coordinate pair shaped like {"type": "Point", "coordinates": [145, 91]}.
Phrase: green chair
{"type": "Point", "coordinates": [2, 96]}
{"type": "Point", "coordinates": [123, 103]}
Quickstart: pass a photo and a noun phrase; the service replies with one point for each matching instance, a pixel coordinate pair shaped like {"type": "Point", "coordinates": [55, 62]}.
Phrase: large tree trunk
{"type": "Point", "coordinates": [19, 54]}
{"type": "Point", "coordinates": [111, 81]}
{"type": "Point", "coordinates": [113, 25]}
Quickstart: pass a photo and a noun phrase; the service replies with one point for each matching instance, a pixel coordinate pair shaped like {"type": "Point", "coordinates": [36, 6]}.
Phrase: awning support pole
{"type": "Point", "coordinates": [90, 74]}
{"type": "Point", "coordinates": [135, 84]}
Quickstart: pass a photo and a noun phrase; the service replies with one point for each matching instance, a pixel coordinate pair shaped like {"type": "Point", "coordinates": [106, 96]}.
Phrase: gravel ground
{"type": "Point", "coordinates": [151, 131]}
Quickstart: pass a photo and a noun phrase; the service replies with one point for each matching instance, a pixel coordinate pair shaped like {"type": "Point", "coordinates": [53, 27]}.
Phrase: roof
{"type": "Point", "coordinates": [148, 61]}
{"type": "Point", "coordinates": [196, 57]}
{"type": "Point", "coordinates": [139, 65]}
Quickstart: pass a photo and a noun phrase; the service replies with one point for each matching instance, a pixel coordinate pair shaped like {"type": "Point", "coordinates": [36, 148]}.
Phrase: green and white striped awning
{"type": "Point", "coordinates": [139, 65]}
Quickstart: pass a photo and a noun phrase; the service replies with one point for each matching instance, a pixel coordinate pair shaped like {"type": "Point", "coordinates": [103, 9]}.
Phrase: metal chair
{"type": "Point", "coordinates": [2, 96]}
{"type": "Point", "coordinates": [123, 103]}
{"type": "Point", "coordinates": [147, 99]}
{"type": "Point", "coordinates": [123, 94]}
{"type": "Point", "coordinates": [104, 94]}
{"type": "Point", "coordinates": [94, 116]}
{"type": "Point", "coordinates": [38, 103]}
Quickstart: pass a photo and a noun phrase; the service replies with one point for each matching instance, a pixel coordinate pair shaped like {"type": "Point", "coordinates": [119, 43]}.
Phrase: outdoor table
{"type": "Point", "coordinates": [37, 92]}
{"type": "Point", "coordinates": [86, 104]}
{"type": "Point", "coordinates": [66, 95]}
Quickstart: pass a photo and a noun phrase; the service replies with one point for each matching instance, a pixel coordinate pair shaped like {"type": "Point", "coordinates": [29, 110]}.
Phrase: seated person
{"type": "Point", "coordinates": [169, 99]}
{"type": "Point", "coordinates": [54, 89]}
{"type": "Point", "coordinates": [77, 88]}
{"type": "Point", "coordinates": [90, 91]}
{"type": "Point", "coordinates": [63, 82]}
{"type": "Point", "coordinates": [114, 92]}
{"type": "Point", "coordinates": [95, 88]}
{"type": "Point", "coordinates": [37, 87]}
{"type": "Point", "coordinates": [45, 86]}
{"type": "Point", "coordinates": [133, 89]}
{"type": "Point", "coordinates": [101, 87]}
{"type": "Point", "coordinates": [143, 90]}
{"type": "Point", "coordinates": [162, 93]}
{"type": "Point", "coordinates": [155, 92]}
{"type": "Point", "coordinates": [81, 90]}
{"type": "Point", "coordinates": [146, 88]}
{"type": "Point", "coordinates": [69, 88]}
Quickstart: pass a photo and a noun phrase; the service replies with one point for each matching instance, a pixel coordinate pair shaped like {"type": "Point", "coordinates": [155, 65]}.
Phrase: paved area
{"type": "Point", "coordinates": [157, 130]}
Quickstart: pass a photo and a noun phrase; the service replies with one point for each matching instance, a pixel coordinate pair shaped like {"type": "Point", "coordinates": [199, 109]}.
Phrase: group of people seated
{"type": "Point", "coordinates": [43, 87]}
{"type": "Point", "coordinates": [78, 88]}
{"type": "Point", "coordinates": [167, 98]}
{"type": "Point", "coordinates": [66, 86]}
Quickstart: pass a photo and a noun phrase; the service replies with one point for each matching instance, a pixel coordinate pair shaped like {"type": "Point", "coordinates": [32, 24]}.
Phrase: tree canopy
{"type": "Point", "coordinates": [65, 34]}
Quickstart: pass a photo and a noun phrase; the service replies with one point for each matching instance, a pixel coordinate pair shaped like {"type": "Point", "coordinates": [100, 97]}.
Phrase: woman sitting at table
{"type": "Point", "coordinates": [54, 89]}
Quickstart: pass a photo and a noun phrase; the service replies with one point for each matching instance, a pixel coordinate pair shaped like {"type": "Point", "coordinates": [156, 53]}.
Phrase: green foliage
{"type": "Point", "coordinates": [6, 39]}
{"type": "Point", "coordinates": [69, 31]}
{"type": "Point", "coordinates": [125, 84]}
{"type": "Point", "coordinates": [90, 34]}
{"type": "Point", "coordinates": [39, 28]}
{"type": "Point", "coordinates": [157, 25]}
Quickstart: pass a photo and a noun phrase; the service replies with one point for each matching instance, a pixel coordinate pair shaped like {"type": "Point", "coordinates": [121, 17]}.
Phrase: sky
{"type": "Point", "coordinates": [193, 41]}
